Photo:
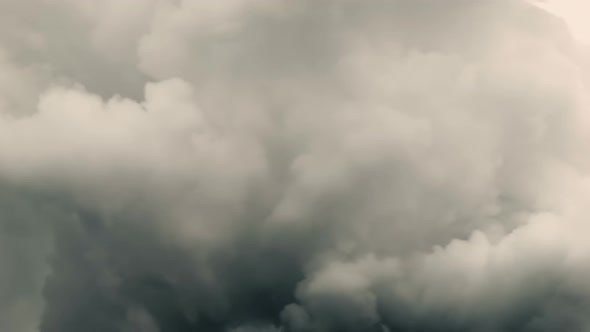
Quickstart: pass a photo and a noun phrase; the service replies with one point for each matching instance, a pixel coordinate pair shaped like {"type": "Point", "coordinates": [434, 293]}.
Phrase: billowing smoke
{"type": "Point", "coordinates": [292, 166]}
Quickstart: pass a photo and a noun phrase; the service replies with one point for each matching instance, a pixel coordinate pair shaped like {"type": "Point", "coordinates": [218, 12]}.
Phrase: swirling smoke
{"type": "Point", "coordinates": [293, 166]}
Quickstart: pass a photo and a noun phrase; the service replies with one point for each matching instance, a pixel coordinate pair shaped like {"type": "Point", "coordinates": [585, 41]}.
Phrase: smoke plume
{"type": "Point", "coordinates": [292, 166]}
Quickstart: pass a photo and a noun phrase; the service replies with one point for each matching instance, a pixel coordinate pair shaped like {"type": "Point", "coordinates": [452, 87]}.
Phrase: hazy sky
{"type": "Point", "coordinates": [294, 166]}
{"type": "Point", "coordinates": [573, 12]}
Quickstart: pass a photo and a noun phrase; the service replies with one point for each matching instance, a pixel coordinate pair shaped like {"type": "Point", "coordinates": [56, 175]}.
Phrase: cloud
{"type": "Point", "coordinates": [347, 165]}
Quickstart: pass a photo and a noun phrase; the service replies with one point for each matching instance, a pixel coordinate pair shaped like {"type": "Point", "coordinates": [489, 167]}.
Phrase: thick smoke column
{"type": "Point", "coordinates": [293, 166]}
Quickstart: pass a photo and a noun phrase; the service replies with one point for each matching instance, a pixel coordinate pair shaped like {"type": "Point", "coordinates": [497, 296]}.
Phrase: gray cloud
{"type": "Point", "coordinates": [382, 165]}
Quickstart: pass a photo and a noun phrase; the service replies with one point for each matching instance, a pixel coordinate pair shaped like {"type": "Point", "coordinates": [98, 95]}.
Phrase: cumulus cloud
{"type": "Point", "coordinates": [294, 166]}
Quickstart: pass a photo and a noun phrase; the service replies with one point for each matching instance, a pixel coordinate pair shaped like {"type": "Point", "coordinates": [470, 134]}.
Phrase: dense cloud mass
{"type": "Point", "coordinates": [292, 166]}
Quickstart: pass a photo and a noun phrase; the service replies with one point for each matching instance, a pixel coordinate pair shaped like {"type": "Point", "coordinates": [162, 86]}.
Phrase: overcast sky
{"type": "Point", "coordinates": [294, 166]}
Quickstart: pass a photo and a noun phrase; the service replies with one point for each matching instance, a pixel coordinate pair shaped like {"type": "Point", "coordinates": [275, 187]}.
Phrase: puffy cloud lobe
{"type": "Point", "coordinates": [347, 165]}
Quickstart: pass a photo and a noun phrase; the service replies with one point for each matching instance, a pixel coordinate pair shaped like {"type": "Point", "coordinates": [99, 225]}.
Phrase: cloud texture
{"type": "Point", "coordinates": [293, 166]}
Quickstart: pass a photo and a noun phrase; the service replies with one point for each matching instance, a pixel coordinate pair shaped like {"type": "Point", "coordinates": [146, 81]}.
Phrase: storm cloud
{"type": "Point", "coordinates": [292, 166]}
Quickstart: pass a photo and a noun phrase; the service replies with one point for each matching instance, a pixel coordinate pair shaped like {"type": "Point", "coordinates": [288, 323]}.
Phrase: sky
{"type": "Point", "coordinates": [573, 13]}
{"type": "Point", "coordinates": [294, 166]}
